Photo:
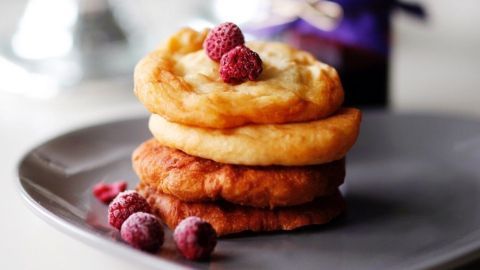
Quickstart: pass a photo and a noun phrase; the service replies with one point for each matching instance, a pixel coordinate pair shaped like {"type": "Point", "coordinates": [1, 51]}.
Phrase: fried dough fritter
{"type": "Point", "coordinates": [297, 144]}
{"type": "Point", "coordinates": [191, 178]}
{"type": "Point", "coordinates": [179, 82]}
{"type": "Point", "coordinates": [229, 218]}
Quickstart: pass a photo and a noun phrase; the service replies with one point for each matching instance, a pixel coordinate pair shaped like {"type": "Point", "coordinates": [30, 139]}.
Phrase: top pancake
{"type": "Point", "coordinates": [179, 82]}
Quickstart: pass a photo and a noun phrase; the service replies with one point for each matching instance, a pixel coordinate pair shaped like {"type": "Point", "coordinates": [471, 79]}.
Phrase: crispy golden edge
{"type": "Point", "coordinates": [228, 218]}
{"type": "Point", "coordinates": [192, 178]}
{"type": "Point", "coordinates": [166, 93]}
{"type": "Point", "coordinates": [298, 144]}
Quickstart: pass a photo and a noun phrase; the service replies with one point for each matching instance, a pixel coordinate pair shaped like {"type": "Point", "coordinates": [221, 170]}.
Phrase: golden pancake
{"type": "Point", "coordinates": [228, 218]}
{"type": "Point", "coordinates": [179, 82]}
{"type": "Point", "coordinates": [192, 178]}
{"type": "Point", "coordinates": [298, 144]}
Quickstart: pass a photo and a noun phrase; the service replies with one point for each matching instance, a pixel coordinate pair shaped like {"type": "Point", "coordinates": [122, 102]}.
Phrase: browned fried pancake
{"type": "Point", "coordinates": [228, 218]}
{"type": "Point", "coordinates": [192, 178]}
{"type": "Point", "coordinates": [181, 83]}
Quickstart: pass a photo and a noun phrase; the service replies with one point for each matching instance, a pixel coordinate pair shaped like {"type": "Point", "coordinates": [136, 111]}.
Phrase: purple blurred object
{"type": "Point", "coordinates": [351, 35]}
{"type": "Point", "coordinates": [364, 24]}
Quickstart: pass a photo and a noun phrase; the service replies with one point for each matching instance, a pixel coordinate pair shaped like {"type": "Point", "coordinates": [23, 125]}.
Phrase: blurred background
{"type": "Point", "coordinates": [403, 55]}
{"type": "Point", "coordinates": [69, 63]}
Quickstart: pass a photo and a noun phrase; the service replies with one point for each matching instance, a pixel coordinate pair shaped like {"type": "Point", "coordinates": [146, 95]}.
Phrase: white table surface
{"type": "Point", "coordinates": [435, 68]}
{"type": "Point", "coordinates": [27, 241]}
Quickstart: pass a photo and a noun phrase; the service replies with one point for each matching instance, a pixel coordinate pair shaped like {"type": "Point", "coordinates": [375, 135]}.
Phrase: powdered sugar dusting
{"type": "Point", "coordinates": [195, 238]}
{"type": "Point", "coordinates": [222, 39]}
{"type": "Point", "coordinates": [143, 231]}
{"type": "Point", "coordinates": [124, 205]}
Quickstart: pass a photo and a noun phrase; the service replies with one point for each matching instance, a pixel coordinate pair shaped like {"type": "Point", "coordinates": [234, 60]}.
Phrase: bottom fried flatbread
{"type": "Point", "coordinates": [228, 218]}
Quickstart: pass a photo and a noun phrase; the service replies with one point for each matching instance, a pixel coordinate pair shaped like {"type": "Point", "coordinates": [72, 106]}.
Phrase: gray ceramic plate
{"type": "Point", "coordinates": [413, 192]}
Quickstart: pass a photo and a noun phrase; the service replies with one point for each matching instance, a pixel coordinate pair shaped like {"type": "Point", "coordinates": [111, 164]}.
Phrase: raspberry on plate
{"type": "Point", "coordinates": [195, 238]}
{"type": "Point", "coordinates": [240, 64]}
{"type": "Point", "coordinates": [106, 192]}
{"type": "Point", "coordinates": [124, 205]}
{"type": "Point", "coordinates": [222, 39]}
{"type": "Point", "coordinates": [143, 231]}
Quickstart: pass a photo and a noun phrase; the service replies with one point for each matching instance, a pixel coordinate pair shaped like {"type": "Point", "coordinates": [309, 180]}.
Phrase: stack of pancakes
{"type": "Point", "coordinates": [257, 156]}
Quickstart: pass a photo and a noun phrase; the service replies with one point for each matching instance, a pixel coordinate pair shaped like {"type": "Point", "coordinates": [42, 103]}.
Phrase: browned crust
{"type": "Point", "coordinates": [165, 91]}
{"type": "Point", "coordinates": [228, 218]}
{"type": "Point", "coordinates": [191, 178]}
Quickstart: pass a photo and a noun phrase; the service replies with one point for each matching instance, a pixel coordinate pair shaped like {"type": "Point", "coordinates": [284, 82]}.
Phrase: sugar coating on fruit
{"type": "Point", "coordinates": [240, 64]}
{"type": "Point", "coordinates": [195, 238]}
{"type": "Point", "coordinates": [143, 231]}
{"type": "Point", "coordinates": [222, 39]}
{"type": "Point", "coordinates": [125, 204]}
{"type": "Point", "coordinates": [106, 192]}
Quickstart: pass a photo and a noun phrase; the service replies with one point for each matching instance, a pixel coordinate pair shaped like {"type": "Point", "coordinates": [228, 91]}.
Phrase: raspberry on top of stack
{"type": "Point", "coordinates": [248, 136]}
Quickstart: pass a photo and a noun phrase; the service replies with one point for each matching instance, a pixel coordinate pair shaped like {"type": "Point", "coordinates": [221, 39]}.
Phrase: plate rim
{"type": "Point", "coordinates": [84, 236]}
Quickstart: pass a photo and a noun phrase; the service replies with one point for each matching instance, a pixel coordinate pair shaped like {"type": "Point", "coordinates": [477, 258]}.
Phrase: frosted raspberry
{"type": "Point", "coordinates": [222, 39]}
{"type": "Point", "coordinates": [195, 238]}
{"type": "Point", "coordinates": [106, 192]}
{"type": "Point", "coordinates": [240, 64]}
{"type": "Point", "coordinates": [125, 204]}
{"type": "Point", "coordinates": [143, 231]}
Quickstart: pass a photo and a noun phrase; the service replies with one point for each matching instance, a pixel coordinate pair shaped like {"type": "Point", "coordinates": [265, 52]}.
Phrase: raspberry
{"type": "Point", "coordinates": [195, 238]}
{"type": "Point", "coordinates": [240, 64]}
{"type": "Point", "coordinates": [125, 204]}
{"type": "Point", "coordinates": [222, 39]}
{"type": "Point", "coordinates": [143, 231]}
{"type": "Point", "coordinates": [107, 192]}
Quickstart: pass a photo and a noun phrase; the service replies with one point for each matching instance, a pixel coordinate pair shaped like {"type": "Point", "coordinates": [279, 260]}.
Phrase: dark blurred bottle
{"type": "Point", "coordinates": [351, 35]}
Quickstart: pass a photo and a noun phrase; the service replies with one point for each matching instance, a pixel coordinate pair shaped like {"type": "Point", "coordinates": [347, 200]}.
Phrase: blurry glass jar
{"type": "Point", "coordinates": [351, 35]}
